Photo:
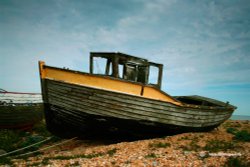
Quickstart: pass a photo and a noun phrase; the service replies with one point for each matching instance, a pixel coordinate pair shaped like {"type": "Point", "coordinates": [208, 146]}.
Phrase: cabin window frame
{"type": "Point", "coordinates": [114, 60]}
{"type": "Point", "coordinates": [159, 75]}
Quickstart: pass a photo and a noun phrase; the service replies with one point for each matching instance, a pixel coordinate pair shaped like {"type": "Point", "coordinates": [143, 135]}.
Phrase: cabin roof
{"type": "Point", "coordinates": [110, 54]}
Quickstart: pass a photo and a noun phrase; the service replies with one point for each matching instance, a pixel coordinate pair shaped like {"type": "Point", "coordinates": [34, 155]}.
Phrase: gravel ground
{"type": "Point", "coordinates": [215, 148]}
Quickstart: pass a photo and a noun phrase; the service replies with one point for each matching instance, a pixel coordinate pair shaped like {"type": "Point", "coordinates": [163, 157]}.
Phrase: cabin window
{"type": "Point", "coordinates": [153, 75]}
{"type": "Point", "coordinates": [142, 74]}
{"type": "Point", "coordinates": [134, 72]}
{"type": "Point", "coordinates": [121, 70]}
{"type": "Point", "coordinates": [99, 65]}
{"type": "Point", "coordinates": [130, 72]}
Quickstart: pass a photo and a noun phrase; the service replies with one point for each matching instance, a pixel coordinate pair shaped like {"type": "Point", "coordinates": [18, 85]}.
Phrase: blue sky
{"type": "Point", "coordinates": [204, 45]}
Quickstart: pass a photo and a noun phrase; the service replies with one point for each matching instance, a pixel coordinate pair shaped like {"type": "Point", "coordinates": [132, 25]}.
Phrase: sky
{"type": "Point", "coordinates": [203, 45]}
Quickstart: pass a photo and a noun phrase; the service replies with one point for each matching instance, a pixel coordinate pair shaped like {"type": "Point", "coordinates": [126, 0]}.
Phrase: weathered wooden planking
{"type": "Point", "coordinates": [139, 101]}
{"type": "Point", "coordinates": [135, 100]}
{"type": "Point", "coordinates": [20, 116]}
{"type": "Point", "coordinates": [126, 109]}
{"type": "Point", "coordinates": [100, 111]}
{"type": "Point", "coordinates": [77, 122]}
{"type": "Point", "coordinates": [64, 86]}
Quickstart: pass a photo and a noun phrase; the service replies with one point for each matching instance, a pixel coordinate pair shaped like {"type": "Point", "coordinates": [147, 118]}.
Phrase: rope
{"type": "Point", "coordinates": [32, 152]}
{"type": "Point", "coordinates": [25, 147]}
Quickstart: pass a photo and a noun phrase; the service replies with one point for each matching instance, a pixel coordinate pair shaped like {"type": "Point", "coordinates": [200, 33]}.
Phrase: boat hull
{"type": "Point", "coordinates": [20, 110]}
{"type": "Point", "coordinates": [20, 117]}
{"type": "Point", "coordinates": [83, 108]}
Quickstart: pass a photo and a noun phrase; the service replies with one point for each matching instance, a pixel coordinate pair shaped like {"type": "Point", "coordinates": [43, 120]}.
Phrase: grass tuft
{"type": "Point", "coordinates": [242, 135]}
{"type": "Point", "coordinates": [159, 145]}
{"type": "Point", "coordinates": [5, 161]}
{"type": "Point", "coordinates": [237, 161]}
{"type": "Point", "coordinates": [10, 139]}
{"type": "Point", "coordinates": [231, 130]}
{"type": "Point", "coordinates": [151, 155]}
{"type": "Point", "coordinates": [111, 152]}
{"type": "Point", "coordinates": [219, 145]}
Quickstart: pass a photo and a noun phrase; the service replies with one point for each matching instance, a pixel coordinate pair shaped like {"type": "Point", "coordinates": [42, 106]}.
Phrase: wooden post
{"type": "Point", "coordinates": [91, 64]}
{"type": "Point", "coordinates": [107, 67]}
{"type": "Point", "coordinates": [115, 65]}
{"type": "Point", "coordinates": [160, 66]}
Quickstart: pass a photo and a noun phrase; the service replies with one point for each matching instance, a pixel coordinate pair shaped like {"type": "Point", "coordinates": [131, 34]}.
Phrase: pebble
{"type": "Point", "coordinates": [135, 153]}
{"type": "Point", "coordinates": [203, 154]}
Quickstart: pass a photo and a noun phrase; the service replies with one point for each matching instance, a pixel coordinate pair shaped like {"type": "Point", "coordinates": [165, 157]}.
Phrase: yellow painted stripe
{"type": "Point", "coordinates": [152, 93]}
{"type": "Point", "coordinates": [105, 83]}
{"type": "Point", "coordinates": [93, 81]}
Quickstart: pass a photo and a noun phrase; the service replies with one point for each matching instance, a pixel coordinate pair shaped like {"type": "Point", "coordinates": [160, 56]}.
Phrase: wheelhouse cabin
{"type": "Point", "coordinates": [123, 66]}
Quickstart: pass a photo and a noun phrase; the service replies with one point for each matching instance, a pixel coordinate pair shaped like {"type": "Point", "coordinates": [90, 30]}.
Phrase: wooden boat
{"type": "Point", "coordinates": [122, 97]}
{"type": "Point", "coordinates": [20, 110]}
